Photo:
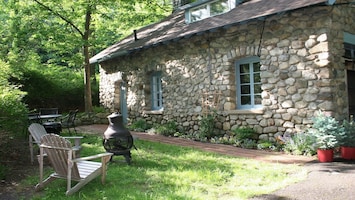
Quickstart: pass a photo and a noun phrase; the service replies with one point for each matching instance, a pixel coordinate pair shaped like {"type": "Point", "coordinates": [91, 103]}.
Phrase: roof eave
{"type": "Point", "coordinates": [126, 52]}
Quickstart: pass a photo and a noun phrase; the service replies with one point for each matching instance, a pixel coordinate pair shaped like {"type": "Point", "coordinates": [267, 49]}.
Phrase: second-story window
{"type": "Point", "coordinates": [210, 9]}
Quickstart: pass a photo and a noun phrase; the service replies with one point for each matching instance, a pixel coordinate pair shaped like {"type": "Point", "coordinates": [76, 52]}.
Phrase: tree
{"type": "Point", "coordinates": [86, 8]}
{"type": "Point", "coordinates": [89, 7]}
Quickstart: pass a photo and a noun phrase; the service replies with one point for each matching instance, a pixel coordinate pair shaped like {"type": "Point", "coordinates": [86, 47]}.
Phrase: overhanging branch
{"type": "Point", "coordinates": [60, 16]}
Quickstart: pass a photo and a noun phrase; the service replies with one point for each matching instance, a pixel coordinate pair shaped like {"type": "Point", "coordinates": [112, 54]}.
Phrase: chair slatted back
{"type": "Point", "coordinates": [37, 131]}
{"type": "Point", "coordinates": [59, 151]}
{"type": "Point", "coordinates": [71, 117]}
{"type": "Point", "coordinates": [48, 111]}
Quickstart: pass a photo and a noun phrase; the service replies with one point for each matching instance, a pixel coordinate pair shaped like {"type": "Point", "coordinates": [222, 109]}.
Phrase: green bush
{"type": "Point", "coordinates": [268, 145]}
{"type": "Point", "coordinates": [245, 137]}
{"type": "Point", "coordinates": [167, 129]}
{"type": "Point", "coordinates": [326, 130]}
{"type": "Point", "coordinates": [242, 133]}
{"type": "Point", "coordinates": [99, 109]}
{"type": "Point", "coordinates": [207, 127]}
{"type": "Point", "coordinates": [300, 144]}
{"type": "Point", "coordinates": [54, 86]}
{"type": "Point", "coordinates": [248, 144]}
{"type": "Point", "coordinates": [140, 125]}
{"type": "Point", "coordinates": [12, 110]}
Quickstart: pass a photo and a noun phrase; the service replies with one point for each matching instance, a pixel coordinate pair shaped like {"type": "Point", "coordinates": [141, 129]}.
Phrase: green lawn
{"type": "Point", "coordinates": [160, 171]}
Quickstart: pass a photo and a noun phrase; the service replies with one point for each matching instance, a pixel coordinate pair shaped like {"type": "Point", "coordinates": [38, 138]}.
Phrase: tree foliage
{"type": "Point", "coordinates": [11, 109]}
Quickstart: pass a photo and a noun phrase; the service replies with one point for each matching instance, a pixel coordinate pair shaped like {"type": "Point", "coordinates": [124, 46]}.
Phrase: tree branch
{"type": "Point", "coordinates": [60, 16]}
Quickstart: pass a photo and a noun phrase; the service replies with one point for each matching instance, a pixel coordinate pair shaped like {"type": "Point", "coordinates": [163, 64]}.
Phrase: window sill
{"type": "Point", "coordinates": [246, 112]}
{"type": "Point", "coordinates": [153, 112]}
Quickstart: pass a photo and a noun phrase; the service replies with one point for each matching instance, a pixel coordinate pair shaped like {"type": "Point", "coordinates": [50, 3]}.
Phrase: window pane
{"type": "Point", "coordinates": [219, 7]}
{"type": "Point", "coordinates": [257, 78]}
{"type": "Point", "coordinates": [257, 99]}
{"type": "Point", "coordinates": [244, 68]}
{"type": "Point", "coordinates": [257, 89]}
{"type": "Point", "coordinates": [245, 79]}
{"type": "Point", "coordinates": [256, 67]}
{"type": "Point", "coordinates": [245, 89]}
{"type": "Point", "coordinates": [199, 13]}
{"type": "Point", "coordinates": [245, 100]}
{"type": "Point", "coordinates": [156, 88]}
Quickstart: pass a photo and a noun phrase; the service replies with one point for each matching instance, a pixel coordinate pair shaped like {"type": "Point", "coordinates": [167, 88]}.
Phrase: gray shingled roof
{"type": "Point", "coordinates": [174, 27]}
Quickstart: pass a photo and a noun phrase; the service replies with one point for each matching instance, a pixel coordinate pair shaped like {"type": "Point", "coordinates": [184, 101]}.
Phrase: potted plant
{"type": "Point", "coordinates": [347, 140]}
{"type": "Point", "coordinates": [326, 131]}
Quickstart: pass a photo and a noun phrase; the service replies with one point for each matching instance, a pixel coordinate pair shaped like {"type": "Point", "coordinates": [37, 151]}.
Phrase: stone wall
{"type": "Point", "coordinates": [302, 72]}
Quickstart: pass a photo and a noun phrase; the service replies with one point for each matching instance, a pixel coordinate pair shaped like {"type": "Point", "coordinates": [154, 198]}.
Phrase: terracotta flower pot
{"type": "Point", "coordinates": [325, 155]}
{"type": "Point", "coordinates": [348, 153]}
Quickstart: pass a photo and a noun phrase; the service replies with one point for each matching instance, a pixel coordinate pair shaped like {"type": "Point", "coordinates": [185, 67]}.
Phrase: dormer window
{"type": "Point", "coordinates": [201, 10]}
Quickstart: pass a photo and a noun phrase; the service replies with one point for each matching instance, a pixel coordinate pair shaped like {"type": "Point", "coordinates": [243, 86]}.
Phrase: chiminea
{"type": "Point", "coordinates": [117, 139]}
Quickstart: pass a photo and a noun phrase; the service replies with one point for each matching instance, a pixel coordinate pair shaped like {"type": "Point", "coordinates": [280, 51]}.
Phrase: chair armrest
{"type": "Point", "coordinates": [93, 157]}
{"type": "Point", "coordinates": [76, 140]}
{"type": "Point", "coordinates": [73, 137]}
{"type": "Point", "coordinates": [64, 118]}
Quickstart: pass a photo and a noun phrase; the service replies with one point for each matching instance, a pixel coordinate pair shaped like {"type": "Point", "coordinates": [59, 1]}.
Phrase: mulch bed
{"type": "Point", "coordinates": [15, 157]}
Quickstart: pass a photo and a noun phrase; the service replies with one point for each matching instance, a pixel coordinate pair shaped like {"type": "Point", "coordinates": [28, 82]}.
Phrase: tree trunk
{"type": "Point", "coordinates": [87, 80]}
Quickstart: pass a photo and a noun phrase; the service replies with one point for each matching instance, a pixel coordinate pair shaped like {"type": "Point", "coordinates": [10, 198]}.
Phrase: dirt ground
{"type": "Point", "coordinates": [14, 155]}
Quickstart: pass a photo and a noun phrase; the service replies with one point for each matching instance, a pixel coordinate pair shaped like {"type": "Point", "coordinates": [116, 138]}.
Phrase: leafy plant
{"type": "Point", "coordinates": [242, 133]}
{"type": "Point", "coordinates": [248, 144]}
{"type": "Point", "coordinates": [99, 109]}
{"type": "Point", "coordinates": [167, 129]}
{"type": "Point", "coordinates": [207, 126]}
{"type": "Point", "coordinates": [140, 125]}
{"type": "Point", "coordinates": [245, 137]}
{"type": "Point", "coordinates": [12, 110]}
{"type": "Point", "coordinates": [300, 144]}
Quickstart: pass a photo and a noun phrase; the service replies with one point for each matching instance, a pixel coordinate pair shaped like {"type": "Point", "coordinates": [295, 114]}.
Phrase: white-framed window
{"type": "Point", "coordinates": [156, 91]}
{"type": "Point", "coordinates": [209, 9]}
{"type": "Point", "coordinates": [248, 83]}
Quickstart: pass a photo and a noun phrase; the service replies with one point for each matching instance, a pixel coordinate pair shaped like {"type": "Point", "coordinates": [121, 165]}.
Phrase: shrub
{"type": "Point", "coordinates": [300, 144]}
{"type": "Point", "coordinates": [266, 145]}
{"type": "Point", "coordinates": [326, 130]}
{"type": "Point", "coordinates": [242, 133]}
{"type": "Point", "coordinates": [248, 144]}
{"type": "Point", "coordinates": [207, 126]}
{"type": "Point", "coordinates": [12, 110]}
{"type": "Point", "coordinates": [99, 109]}
{"type": "Point", "coordinates": [140, 125]}
{"type": "Point", "coordinates": [348, 137]}
{"type": "Point", "coordinates": [167, 129]}
{"type": "Point", "coordinates": [245, 137]}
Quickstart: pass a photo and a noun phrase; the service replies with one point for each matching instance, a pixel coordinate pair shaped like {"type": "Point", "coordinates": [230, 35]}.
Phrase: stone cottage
{"type": "Point", "coordinates": [269, 65]}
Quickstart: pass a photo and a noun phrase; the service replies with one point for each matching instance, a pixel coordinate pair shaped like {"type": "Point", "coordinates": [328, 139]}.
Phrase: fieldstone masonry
{"type": "Point", "coordinates": [302, 72]}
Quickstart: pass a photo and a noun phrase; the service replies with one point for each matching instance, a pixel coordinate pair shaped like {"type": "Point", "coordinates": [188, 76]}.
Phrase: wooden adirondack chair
{"type": "Point", "coordinates": [37, 131]}
{"type": "Point", "coordinates": [60, 154]}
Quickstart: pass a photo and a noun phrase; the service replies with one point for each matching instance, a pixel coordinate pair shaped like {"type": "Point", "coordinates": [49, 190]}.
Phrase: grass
{"type": "Point", "coordinates": [162, 172]}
